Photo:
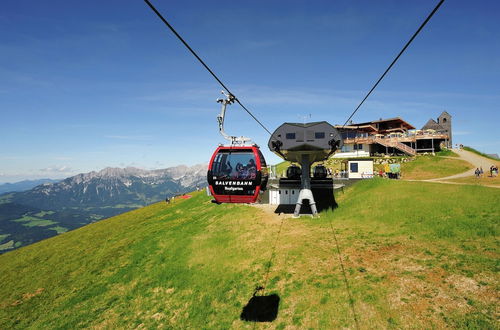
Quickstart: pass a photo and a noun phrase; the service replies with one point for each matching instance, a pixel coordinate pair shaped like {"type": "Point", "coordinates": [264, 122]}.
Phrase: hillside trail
{"type": "Point", "coordinates": [476, 160]}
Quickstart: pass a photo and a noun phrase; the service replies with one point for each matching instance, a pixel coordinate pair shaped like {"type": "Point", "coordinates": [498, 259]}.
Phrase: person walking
{"type": "Point", "coordinates": [477, 172]}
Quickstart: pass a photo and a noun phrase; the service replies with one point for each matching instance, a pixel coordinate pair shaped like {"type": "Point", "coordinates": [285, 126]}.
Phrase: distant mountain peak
{"type": "Point", "coordinates": [88, 197]}
{"type": "Point", "coordinates": [24, 185]}
{"type": "Point", "coordinates": [118, 171]}
{"type": "Point", "coordinates": [110, 184]}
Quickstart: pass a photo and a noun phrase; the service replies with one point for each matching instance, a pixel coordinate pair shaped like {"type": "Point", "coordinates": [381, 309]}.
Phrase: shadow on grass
{"type": "Point", "coordinates": [323, 203]}
{"type": "Point", "coordinates": [261, 309]}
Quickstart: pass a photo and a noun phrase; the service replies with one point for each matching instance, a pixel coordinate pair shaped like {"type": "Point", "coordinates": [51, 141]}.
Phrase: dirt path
{"type": "Point", "coordinates": [476, 160]}
{"type": "Point", "coordinates": [472, 158]}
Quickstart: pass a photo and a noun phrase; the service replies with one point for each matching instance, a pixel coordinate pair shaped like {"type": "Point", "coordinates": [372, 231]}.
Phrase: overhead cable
{"type": "Point", "coordinates": [204, 64]}
{"type": "Point", "coordinates": [394, 61]}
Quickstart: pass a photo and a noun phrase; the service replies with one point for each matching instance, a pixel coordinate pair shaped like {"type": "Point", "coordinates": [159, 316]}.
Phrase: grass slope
{"type": "Point", "coordinates": [413, 255]}
{"type": "Point", "coordinates": [447, 153]}
{"type": "Point", "coordinates": [282, 167]}
{"type": "Point", "coordinates": [479, 153]}
{"type": "Point", "coordinates": [485, 180]}
{"type": "Point", "coordinates": [432, 167]}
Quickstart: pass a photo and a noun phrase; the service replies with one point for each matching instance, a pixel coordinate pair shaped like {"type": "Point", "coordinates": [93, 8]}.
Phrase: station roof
{"type": "Point", "coordinates": [380, 125]}
{"type": "Point", "coordinates": [306, 125]}
{"type": "Point", "coordinates": [395, 120]}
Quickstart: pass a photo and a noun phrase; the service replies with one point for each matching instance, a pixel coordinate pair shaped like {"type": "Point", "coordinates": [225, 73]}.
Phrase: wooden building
{"type": "Point", "coordinates": [395, 136]}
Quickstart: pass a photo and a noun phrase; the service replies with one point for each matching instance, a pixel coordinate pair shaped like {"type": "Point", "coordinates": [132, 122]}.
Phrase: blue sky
{"type": "Point", "coordinates": [90, 84]}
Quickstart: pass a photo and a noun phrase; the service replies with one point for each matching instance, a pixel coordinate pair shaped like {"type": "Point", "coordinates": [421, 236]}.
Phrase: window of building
{"type": "Point", "coordinates": [358, 146]}
{"type": "Point", "coordinates": [290, 136]}
{"type": "Point", "coordinates": [319, 135]}
{"type": "Point", "coordinates": [354, 167]}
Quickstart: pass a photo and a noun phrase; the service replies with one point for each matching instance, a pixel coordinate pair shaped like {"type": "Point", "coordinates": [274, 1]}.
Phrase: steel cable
{"type": "Point", "coordinates": [395, 60]}
{"type": "Point", "coordinates": [203, 63]}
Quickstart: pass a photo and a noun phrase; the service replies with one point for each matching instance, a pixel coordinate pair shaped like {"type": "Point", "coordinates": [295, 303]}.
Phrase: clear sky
{"type": "Point", "coordinates": [90, 84]}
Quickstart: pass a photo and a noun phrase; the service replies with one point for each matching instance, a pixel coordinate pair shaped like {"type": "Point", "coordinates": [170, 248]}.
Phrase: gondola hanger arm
{"type": "Point", "coordinates": [235, 140]}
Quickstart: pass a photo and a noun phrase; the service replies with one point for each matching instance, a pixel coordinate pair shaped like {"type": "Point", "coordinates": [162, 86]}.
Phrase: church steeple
{"type": "Point", "coordinates": [444, 120]}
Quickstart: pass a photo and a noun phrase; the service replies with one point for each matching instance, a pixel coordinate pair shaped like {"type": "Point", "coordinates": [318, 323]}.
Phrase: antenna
{"type": "Point", "coordinates": [304, 118]}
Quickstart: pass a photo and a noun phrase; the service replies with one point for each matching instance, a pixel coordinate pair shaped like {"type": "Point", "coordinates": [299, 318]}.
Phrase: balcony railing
{"type": "Point", "coordinates": [399, 138]}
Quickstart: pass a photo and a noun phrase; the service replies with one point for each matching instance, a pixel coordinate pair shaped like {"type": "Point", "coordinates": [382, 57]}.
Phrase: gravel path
{"type": "Point", "coordinates": [472, 158]}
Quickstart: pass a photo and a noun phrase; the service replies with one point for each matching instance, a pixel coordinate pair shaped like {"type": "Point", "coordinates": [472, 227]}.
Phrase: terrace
{"type": "Point", "coordinates": [391, 136]}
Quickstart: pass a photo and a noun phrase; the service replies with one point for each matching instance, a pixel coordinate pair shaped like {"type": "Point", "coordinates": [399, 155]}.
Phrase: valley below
{"type": "Point", "coordinates": [53, 208]}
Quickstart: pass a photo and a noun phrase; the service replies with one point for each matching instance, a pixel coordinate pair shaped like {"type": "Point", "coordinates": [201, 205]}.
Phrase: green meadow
{"type": "Point", "coordinates": [394, 254]}
{"type": "Point", "coordinates": [30, 221]}
{"type": "Point", "coordinates": [479, 153]}
{"type": "Point", "coordinates": [432, 167]}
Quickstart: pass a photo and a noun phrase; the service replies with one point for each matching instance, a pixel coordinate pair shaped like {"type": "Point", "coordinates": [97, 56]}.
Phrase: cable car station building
{"type": "Point", "coordinates": [314, 142]}
{"type": "Point", "coordinates": [395, 136]}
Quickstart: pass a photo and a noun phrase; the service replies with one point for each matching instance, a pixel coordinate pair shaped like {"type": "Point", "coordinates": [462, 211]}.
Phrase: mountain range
{"type": "Point", "coordinates": [23, 185]}
{"type": "Point", "coordinates": [55, 207]}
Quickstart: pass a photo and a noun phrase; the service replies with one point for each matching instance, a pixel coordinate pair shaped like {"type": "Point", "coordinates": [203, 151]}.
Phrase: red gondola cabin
{"type": "Point", "coordinates": [236, 174]}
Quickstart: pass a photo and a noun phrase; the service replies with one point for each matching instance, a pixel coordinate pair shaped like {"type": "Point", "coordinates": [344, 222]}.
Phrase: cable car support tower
{"type": "Point", "coordinates": [306, 143]}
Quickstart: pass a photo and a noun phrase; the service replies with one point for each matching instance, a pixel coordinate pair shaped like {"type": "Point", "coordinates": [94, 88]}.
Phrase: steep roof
{"type": "Point", "coordinates": [432, 124]}
{"type": "Point", "coordinates": [444, 113]}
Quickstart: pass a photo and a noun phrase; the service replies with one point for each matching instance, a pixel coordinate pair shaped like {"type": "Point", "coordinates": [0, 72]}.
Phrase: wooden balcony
{"type": "Point", "coordinates": [397, 141]}
{"type": "Point", "coordinates": [409, 138]}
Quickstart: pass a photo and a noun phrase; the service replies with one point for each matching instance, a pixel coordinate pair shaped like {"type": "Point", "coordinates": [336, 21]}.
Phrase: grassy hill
{"type": "Point", "coordinates": [485, 180]}
{"type": "Point", "coordinates": [480, 153]}
{"type": "Point", "coordinates": [431, 167]}
{"type": "Point", "coordinates": [394, 254]}
{"type": "Point", "coordinates": [282, 167]}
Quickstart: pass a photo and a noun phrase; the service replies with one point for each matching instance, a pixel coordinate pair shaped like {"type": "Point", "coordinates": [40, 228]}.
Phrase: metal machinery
{"type": "Point", "coordinates": [306, 144]}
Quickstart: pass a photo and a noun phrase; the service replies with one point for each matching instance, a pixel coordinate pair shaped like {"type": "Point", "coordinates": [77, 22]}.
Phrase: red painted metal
{"type": "Point", "coordinates": [237, 198]}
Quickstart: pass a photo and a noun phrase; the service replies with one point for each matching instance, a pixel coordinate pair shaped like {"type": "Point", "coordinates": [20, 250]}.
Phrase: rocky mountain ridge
{"type": "Point", "coordinates": [23, 185]}
{"type": "Point", "coordinates": [52, 208]}
{"type": "Point", "coordinates": [112, 185]}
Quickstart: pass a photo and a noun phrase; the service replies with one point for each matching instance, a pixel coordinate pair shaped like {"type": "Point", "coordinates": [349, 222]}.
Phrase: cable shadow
{"type": "Point", "coordinates": [344, 275]}
{"type": "Point", "coordinates": [261, 309]}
